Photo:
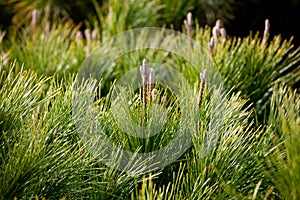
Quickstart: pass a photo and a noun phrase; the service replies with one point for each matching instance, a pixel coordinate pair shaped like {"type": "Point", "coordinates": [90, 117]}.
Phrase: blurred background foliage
{"type": "Point", "coordinates": [238, 16]}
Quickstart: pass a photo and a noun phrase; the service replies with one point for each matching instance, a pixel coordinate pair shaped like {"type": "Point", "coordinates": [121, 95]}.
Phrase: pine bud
{"type": "Point", "coordinates": [87, 34]}
{"type": "Point", "coordinates": [144, 71]}
{"type": "Point", "coordinates": [189, 19]}
{"type": "Point", "coordinates": [188, 23]}
{"type": "Point", "coordinates": [94, 35]}
{"type": "Point", "coordinates": [211, 45]}
{"type": "Point", "coordinates": [224, 35]}
{"type": "Point", "coordinates": [267, 28]}
{"type": "Point", "coordinates": [151, 76]}
{"type": "Point", "coordinates": [34, 20]}
{"type": "Point", "coordinates": [78, 37]}
{"type": "Point", "coordinates": [202, 85]}
{"type": "Point", "coordinates": [266, 32]}
{"type": "Point", "coordinates": [218, 24]}
{"type": "Point", "coordinates": [215, 33]}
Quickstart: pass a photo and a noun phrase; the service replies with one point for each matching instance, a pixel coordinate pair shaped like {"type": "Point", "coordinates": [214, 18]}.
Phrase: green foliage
{"type": "Point", "coordinates": [174, 12]}
{"type": "Point", "coordinates": [40, 150]}
{"type": "Point", "coordinates": [49, 48]}
{"type": "Point", "coordinates": [254, 68]}
{"type": "Point", "coordinates": [244, 146]}
{"type": "Point", "coordinates": [221, 160]}
{"type": "Point", "coordinates": [283, 164]}
{"type": "Point", "coordinates": [53, 9]}
{"type": "Point", "coordinates": [117, 16]}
